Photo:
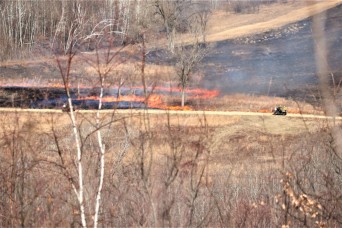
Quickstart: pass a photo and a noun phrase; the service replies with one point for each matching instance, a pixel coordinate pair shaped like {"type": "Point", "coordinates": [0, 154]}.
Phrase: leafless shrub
{"type": "Point", "coordinates": [311, 186]}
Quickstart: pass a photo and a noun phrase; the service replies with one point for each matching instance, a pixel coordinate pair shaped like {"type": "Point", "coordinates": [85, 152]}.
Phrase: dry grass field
{"type": "Point", "coordinates": [204, 168]}
{"type": "Point", "coordinates": [230, 137]}
{"type": "Point", "coordinates": [214, 170]}
{"type": "Point", "coordinates": [225, 129]}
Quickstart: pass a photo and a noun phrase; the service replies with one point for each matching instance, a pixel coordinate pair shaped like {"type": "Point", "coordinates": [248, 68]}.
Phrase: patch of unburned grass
{"type": "Point", "coordinates": [264, 104]}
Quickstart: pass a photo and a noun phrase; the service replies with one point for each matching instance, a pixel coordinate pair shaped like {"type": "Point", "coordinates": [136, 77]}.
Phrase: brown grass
{"type": "Point", "coordinates": [242, 156]}
{"type": "Point", "coordinates": [42, 120]}
{"type": "Point", "coordinates": [263, 104]}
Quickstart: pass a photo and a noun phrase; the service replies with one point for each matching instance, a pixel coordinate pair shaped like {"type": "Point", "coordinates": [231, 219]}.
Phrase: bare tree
{"type": "Point", "coordinates": [104, 65]}
{"type": "Point", "coordinates": [30, 25]}
{"type": "Point", "coordinates": [203, 18]}
{"type": "Point", "coordinates": [198, 19]}
{"type": "Point", "coordinates": [172, 14]}
{"type": "Point", "coordinates": [187, 59]}
{"type": "Point", "coordinates": [66, 77]}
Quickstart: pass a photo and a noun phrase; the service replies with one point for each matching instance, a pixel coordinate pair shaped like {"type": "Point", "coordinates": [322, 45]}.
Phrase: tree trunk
{"type": "Point", "coordinates": [80, 192]}
{"type": "Point", "coordinates": [183, 97]}
{"type": "Point", "coordinates": [102, 159]}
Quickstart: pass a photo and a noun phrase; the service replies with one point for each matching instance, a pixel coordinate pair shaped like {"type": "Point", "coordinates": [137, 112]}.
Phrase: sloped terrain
{"type": "Point", "coordinates": [279, 62]}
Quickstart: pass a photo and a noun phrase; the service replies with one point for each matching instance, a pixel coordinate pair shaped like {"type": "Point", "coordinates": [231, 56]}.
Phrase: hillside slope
{"type": "Point", "coordinates": [223, 26]}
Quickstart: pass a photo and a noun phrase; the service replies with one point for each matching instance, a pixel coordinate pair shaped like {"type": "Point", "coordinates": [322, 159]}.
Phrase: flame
{"type": "Point", "coordinates": [128, 98]}
{"type": "Point", "coordinates": [155, 99]}
{"type": "Point", "coordinates": [196, 93]}
{"type": "Point", "coordinates": [191, 93]}
{"type": "Point", "coordinates": [152, 101]}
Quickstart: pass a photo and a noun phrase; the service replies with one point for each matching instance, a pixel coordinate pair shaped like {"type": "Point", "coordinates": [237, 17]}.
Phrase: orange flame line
{"type": "Point", "coordinates": [154, 100]}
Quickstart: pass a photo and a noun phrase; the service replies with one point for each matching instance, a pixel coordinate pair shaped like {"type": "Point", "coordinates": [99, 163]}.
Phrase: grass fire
{"type": "Point", "coordinates": [86, 97]}
{"type": "Point", "coordinates": [170, 113]}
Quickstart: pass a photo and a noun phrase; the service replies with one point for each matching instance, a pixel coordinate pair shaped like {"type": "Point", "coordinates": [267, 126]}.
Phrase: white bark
{"type": "Point", "coordinates": [125, 15]}
{"type": "Point", "coordinates": [183, 97]}
{"type": "Point", "coordinates": [80, 195]}
{"type": "Point", "coordinates": [102, 158]}
{"type": "Point", "coordinates": [20, 16]}
{"type": "Point", "coordinates": [60, 26]}
{"type": "Point", "coordinates": [65, 74]}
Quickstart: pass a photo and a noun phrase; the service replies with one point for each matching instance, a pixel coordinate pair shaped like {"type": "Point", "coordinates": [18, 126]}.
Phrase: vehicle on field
{"type": "Point", "coordinates": [280, 110]}
{"type": "Point", "coordinates": [66, 107]}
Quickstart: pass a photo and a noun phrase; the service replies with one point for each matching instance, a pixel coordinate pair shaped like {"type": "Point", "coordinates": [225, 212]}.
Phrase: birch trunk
{"type": "Point", "coordinates": [102, 159]}
{"type": "Point", "coordinates": [80, 191]}
{"type": "Point", "coordinates": [80, 194]}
